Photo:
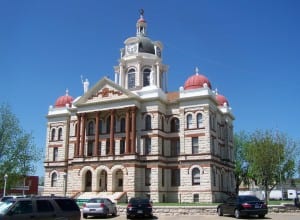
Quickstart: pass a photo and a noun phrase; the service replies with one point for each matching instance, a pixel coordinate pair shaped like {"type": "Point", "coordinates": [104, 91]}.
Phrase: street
{"type": "Point", "coordinates": [274, 216]}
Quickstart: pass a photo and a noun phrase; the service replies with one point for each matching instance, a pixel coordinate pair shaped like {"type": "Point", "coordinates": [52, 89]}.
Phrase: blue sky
{"type": "Point", "coordinates": [249, 50]}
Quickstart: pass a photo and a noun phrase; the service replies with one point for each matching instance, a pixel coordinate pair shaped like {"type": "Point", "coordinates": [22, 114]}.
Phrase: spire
{"type": "Point", "coordinates": [141, 25]}
{"type": "Point", "coordinates": [197, 71]}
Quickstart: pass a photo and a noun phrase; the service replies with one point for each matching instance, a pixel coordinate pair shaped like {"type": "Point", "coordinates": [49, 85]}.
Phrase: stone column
{"type": "Point", "coordinates": [77, 146]}
{"type": "Point", "coordinates": [133, 131]}
{"type": "Point", "coordinates": [112, 132]}
{"type": "Point", "coordinates": [82, 145]}
{"type": "Point", "coordinates": [96, 146]}
{"type": "Point", "coordinates": [127, 140]}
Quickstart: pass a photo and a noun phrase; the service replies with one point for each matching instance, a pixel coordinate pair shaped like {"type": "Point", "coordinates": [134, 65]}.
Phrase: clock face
{"type": "Point", "coordinates": [132, 48]}
{"type": "Point", "coordinates": [158, 52]}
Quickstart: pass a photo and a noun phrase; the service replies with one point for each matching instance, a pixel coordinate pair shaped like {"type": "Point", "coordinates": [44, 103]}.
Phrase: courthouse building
{"type": "Point", "coordinates": [131, 137]}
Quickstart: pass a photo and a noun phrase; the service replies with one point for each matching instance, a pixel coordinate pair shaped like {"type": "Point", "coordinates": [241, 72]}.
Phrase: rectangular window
{"type": "Point", "coordinates": [147, 176]}
{"type": "Point", "coordinates": [175, 148]}
{"type": "Point", "coordinates": [196, 197]}
{"type": "Point", "coordinates": [55, 154]}
{"type": "Point", "coordinates": [175, 177]}
{"type": "Point", "coordinates": [122, 146]}
{"type": "Point", "coordinates": [99, 148]}
{"type": "Point", "coordinates": [162, 177]}
{"type": "Point", "coordinates": [90, 148]}
{"type": "Point", "coordinates": [147, 145]}
{"type": "Point", "coordinates": [195, 145]}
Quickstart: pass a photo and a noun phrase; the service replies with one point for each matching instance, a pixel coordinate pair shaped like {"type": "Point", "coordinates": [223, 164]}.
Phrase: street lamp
{"type": "Point", "coordinates": [5, 179]}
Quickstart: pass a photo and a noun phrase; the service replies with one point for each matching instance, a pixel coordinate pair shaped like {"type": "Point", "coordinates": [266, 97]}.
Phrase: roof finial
{"type": "Point", "coordinates": [141, 12]}
{"type": "Point", "coordinates": [197, 70]}
{"type": "Point", "coordinates": [67, 92]}
{"type": "Point", "coordinates": [85, 84]}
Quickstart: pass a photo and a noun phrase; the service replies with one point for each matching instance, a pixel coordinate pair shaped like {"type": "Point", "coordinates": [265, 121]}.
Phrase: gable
{"type": "Point", "coordinates": [105, 91]}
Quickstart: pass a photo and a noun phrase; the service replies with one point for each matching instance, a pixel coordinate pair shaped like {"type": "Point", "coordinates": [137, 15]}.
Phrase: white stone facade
{"type": "Point", "coordinates": [173, 147]}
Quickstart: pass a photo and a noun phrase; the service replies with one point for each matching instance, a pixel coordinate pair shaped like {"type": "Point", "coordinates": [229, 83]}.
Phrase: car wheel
{"type": "Point", "coordinates": [261, 216]}
{"type": "Point", "coordinates": [84, 215]}
{"type": "Point", "coordinates": [237, 213]}
{"type": "Point", "coordinates": [220, 211]}
{"type": "Point", "coordinates": [115, 212]}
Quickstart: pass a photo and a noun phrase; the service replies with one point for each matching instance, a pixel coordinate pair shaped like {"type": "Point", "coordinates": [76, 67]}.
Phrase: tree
{"type": "Point", "coordinates": [17, 149]}
{"type": "Point", "coordinates": [241, 166]}
{"type": "Point", "coordinates": [271, 159]}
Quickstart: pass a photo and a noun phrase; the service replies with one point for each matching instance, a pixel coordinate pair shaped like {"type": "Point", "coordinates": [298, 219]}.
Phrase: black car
{"type": "Point", "coordinates": [40, 207]}
{"type": "Point", "coordinates": [139, 207]}
{"type": "Point", "coordinates": [243, 206]}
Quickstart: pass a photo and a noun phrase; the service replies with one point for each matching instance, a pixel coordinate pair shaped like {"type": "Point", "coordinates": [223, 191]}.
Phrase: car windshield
{"type": "Point", "coordinates": [136, 201]}
{"type": "Point", "coordinates": [249, 199]}
{"type": "Point", "coordinates": [96, 201]}
{"type": "Point", "coordinates": [5, 205]}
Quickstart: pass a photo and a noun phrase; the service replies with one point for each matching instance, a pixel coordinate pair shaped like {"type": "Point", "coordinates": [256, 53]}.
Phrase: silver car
{"type": "Point", "coordinates": [99, 207]}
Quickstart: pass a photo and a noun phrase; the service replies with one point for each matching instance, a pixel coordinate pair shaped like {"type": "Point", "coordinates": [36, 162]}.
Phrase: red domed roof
{"type": "Point", "coordinates": [63, 100]}
{"type": "Point", "coordinates": [196, 81]}
{"type": "Point", "coordinates": [221, 100]}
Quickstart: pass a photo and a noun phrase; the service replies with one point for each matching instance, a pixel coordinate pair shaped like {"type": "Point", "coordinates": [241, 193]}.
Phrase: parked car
{"type": "Point", "coordinates": [139, 207]}
{"type": "Point", "coordinates": [42, 208]}
{"type": "Point", "coordinates": [243, 206]}
{"type": "Point", "coordinates": [9, 197]}
{"type": "Point", "coordinates": [99, 207]}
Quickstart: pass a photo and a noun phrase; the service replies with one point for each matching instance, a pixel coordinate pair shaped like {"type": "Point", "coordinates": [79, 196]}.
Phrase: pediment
{"type": "Point", "coordinates": [105, 91]}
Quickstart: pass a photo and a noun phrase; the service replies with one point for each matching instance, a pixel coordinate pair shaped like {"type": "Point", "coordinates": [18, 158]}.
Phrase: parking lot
{"type": "Point", "coordinates": [274, 216]}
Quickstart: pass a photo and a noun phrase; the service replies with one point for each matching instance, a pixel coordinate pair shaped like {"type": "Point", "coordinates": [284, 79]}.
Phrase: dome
{"type": "Point", "coordinates": [196, 81]}
{"type": "Point", "coordinates": [62, 101]}
{"type": "Point", "coordinates": [221, 100]}
{"type": "Point", "coordinates": [146, 45]}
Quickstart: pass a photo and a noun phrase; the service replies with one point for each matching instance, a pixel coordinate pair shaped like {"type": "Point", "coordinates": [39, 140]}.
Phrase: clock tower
{"type": "Point", "coordinates": [140, 66]}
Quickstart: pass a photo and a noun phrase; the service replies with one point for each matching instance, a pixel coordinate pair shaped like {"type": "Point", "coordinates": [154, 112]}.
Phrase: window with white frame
{"type": "Point", "coordinates": [91, 128]}
{"type": "Point", "coordinates": [189, 121]}
{"type": "Point", "coordinates": [147, 145]}
{"type": "Point", "coordinates": [148, 122]}
{"type": "Point", "coordinates": [55, 154]}
{"type": "Point", "coordinates": [175, 177]}
{"type": "Point", "coordinates": [59, 134]}
{"type": "Point", "coordinates": [174, 125]}
{"type": "Point", "coordinates": [53, 134]}
{"type": "Point", "coordinates": [147, 176]}
{"type": "Point", "coordinates": [196, 176]}
{"type": "Point", "coordinates": [146, 77]}
{"type": "Point", "coordinates": [199, 120]}
{"type": "Point", "coordinates": [195, 145]}
{"type": "Point", "coordinates": [131, 79]}
{"type": "Point", "coordinates": [54, 180]}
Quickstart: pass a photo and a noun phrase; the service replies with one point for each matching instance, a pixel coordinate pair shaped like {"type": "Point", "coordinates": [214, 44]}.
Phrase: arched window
{"type": "Point", "coordinates": [131, 78]}
{"type": "Point", "coordinates": [54, 179]}
{"type": "Point", "coordinates": [52, 134]}
{"type": "Point", "coordinates": [91, 128]}
{"type": "Point", "coordinates": [189, 121]}
{"type": "Point", "coordinates": [199, 120]}
{"type": "Point", "coordinates": [196, 176]}
{"type": "Point", "coordinates": [122, 125]}
{"type": "Point", "coordinates": [59, 134]}
{"type": "Point", "coordinates": [146, 77]}
{"type": "Point", "coordinates": [148, 122]}
{"type": "Point", "coordinates": [175, 125]}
